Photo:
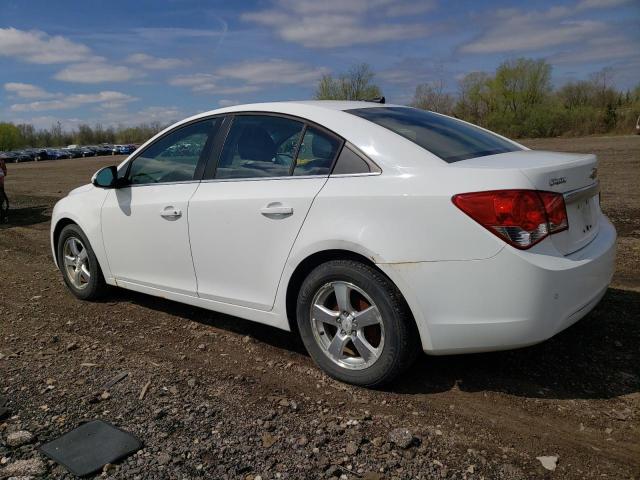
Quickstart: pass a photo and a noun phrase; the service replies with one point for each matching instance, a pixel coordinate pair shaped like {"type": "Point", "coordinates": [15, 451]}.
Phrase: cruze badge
{"type": "Point", "coordinates": [557, 181]}
{"type": "Point", "coordinates": [594, 173]}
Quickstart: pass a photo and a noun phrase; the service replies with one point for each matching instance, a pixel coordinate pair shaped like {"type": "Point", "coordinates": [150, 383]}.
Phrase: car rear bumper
{"type": "Point", "coordinates": [514, 299]}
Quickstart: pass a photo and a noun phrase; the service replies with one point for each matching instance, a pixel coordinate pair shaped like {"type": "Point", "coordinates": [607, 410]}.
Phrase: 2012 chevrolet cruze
{"type": "Point", "coordinates": [375, 231]}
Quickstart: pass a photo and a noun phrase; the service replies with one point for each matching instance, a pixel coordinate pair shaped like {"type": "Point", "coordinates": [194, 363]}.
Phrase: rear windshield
{"type": "Point", "coordinates": [446, 137]}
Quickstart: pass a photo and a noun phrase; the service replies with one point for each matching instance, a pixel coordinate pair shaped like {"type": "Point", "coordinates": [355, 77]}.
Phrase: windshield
{"type": "Point", "coordinates": [446, 137]}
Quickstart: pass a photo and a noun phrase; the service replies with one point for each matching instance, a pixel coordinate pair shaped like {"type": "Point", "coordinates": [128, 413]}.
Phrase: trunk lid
{"type": "Point", "coordinates": [573, 175]}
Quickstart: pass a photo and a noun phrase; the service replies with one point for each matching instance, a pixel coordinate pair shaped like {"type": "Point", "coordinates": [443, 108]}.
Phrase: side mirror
{"type": "Point", "coordinates": [106, 177]}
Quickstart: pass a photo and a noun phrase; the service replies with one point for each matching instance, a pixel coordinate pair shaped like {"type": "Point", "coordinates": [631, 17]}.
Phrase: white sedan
{"type": "Point", "coordinates": [373, 231]}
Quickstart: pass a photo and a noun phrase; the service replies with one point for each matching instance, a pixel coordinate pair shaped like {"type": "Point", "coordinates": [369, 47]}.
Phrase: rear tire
{"type": "Point", "coordinates": [79, 266]}
{"type": "Point", "coordinates": [355, 323]}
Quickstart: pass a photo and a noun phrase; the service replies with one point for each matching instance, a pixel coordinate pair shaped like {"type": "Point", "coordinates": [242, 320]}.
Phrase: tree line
{"type": "Point", "coordinates": [26, 135]}
{"type": "Point", "coordinates": [518, 100]}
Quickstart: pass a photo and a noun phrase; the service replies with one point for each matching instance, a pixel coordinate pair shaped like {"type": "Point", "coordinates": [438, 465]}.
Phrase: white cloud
{"type": "Point", "coordinates": [521, 33]}
{"type": "Point", "coordinates": [67, 102]}
{"type": "Point", "coordinates": [247, 77]}
{"type": "Point", "coordinates": [35, 46]}
{"type": "Point", "coordinates": [227, 103]}
{"type": "Point", "coordinates": [142, 60]}
{"type": "Point", "coordinates": [410, 71]}
{"type": "Point", "coordinates": [586, 4]}
{"type": "Point", "coordinates": [207, 83]}
{"type": "Point", "coordinates": [513, 30]}
{"type": "Point", "coordinates": [196, 80]}
{"type": "Point", "coordinates": [336, 23]}
{"type": "Point", "coordinates": [164, 115]}
{"type": "Point", "coordinates": [96, 72]}
{"type": "Point", "coordinates": [27, 90]}
{"type": "Point", "coordinates": [598, 49]}
{"type": "Point", "coordinates": [274, 71]}
{"type": "Point", "coordinates": [173, 33]}
{"type": "Point", "coordinates": [46, 121]}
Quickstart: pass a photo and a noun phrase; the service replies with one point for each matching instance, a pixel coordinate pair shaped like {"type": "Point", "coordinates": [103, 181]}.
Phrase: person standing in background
{"type": "Point", "coordinates": [4, 200]}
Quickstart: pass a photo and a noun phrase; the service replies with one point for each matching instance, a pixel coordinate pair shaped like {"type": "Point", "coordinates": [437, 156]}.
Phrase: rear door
{"type": "Point", "coordinates": [246, 214]}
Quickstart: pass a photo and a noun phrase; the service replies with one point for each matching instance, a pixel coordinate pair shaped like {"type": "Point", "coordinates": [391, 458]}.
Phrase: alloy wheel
{"type": "Point", "coordinates": [76, 263]}
{"type": "Point", "coordinates": [347, 325]}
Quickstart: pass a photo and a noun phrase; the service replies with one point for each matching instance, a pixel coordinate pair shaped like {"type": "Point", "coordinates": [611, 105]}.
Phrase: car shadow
{"type": "Point", "coordinates": [25, 216]}
{"type": "Point", "coordinates": [263, 333]}
{"type": "Point", "coordinates": [597, 358]}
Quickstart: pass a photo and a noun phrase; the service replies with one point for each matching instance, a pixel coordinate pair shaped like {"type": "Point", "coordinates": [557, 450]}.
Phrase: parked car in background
{"type": "Point", "coordinates": [393, 231]}
{"type": "Point", "coordinates": [36, 154]}
{"type": "Point", "coordinates": [73, 152]}
{"type": "Point", "coordinates": [57, 154]}
{"type": "Point", "coordinates": [100, 149]}
{"type": "Point", "coordinates": [21, 156]}
{"type": "Point", "coordinates": [87, 152]}
{"type": "Point", "coordinates": [123, 149]}
{"type": "Point", "coordinates": [8, 157]}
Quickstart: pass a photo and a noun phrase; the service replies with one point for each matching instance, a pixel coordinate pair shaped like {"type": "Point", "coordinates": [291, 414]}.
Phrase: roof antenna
{"type": "Point", "coordinates": [376, 100]}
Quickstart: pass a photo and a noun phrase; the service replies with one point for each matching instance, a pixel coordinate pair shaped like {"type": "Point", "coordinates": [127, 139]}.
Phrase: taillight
{"type": "Point", "coordinates": [520, 217]}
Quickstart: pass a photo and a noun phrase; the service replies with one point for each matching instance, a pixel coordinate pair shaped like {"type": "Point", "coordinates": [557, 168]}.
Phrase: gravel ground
{"type": "Point", "coordinates": [226, 398]}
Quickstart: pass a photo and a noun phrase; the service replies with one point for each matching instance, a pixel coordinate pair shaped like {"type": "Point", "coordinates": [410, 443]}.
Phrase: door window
{"type": "Point", "coordinates": [316, 154]}
{"type": "Point", "coordinates": [174, 157]}
{"type": "Point", "coordinates": [259, 146]}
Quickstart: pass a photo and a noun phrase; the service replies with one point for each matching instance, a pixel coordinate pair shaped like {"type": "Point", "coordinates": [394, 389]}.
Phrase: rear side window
{"type": "Point", "coordinates": [316, 153]}
{"type": "Point", "coordinates": [445, 137]}
{"type": "Point", "coordinates": [350, 163]}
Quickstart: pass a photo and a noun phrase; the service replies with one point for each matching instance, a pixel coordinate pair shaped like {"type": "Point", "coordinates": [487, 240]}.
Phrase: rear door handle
{"type": "Point", "coordinates": [276, 209]}
{"type": "Point", "coordinates": [171, 213]}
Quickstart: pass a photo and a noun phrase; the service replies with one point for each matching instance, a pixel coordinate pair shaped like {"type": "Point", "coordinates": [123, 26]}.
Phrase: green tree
{"type": "Point", "coordinates": [431, 96]}
{"type": "Point", "coordinates": [475, 97]}
{"type": "Point", "coordinates": [9, 136]}
{"type": "Point", "coordinates": [84, 135]}
{"type": "Point", "coordinates": [28, 136]}
{"type": "Point", "coordinates": [522, 83]}
{"type": "Point", "coordinates": [356, 84]}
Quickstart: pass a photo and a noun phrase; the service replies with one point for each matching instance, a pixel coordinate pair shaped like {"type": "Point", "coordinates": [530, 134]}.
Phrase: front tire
{"type": "Point", "coordinates": [78, 263]}
{"type": "Point", "coordinates": [355, 323]}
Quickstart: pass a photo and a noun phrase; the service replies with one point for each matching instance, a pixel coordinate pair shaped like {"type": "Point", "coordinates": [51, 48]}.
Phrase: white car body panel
{"type": "Point", "coordinates": [83, 206]}
{"type": "Point", "coordinates": [467, 289]}
{"type": "Point", "coordinates": [144, 247]}
{"type": "Point", "coordinates": [239, 248]}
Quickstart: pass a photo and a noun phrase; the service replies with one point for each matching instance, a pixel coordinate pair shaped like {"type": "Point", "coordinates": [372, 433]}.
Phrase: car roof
{"type": "Point", "coordinates": [325, 104]}
{"type": "Point", "coordinates": [379, 143]}
{"type": "Point", "coordinates": [294, 106]}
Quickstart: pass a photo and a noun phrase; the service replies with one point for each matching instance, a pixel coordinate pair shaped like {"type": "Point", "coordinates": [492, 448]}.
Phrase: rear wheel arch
{"type": "Point", "coordinates": [306, 266]}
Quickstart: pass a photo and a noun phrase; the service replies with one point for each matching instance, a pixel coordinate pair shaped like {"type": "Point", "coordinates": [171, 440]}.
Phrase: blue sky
{"type": "Point", "coordinates": [127, 62]}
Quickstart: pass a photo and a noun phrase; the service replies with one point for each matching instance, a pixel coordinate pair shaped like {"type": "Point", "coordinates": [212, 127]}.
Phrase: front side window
{"type": "Point", "coordinates": [445, 137]}
{"type": "Point", "coordinates": [259, 146]}
{"type": "Point", "coordinates": [174, 157]}
{"type": "Point", "coordinates": [316, 154]}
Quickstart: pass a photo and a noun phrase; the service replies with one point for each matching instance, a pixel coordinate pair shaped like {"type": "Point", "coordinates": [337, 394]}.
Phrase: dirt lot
{"type": "Point", "coordinates": [230, 399]}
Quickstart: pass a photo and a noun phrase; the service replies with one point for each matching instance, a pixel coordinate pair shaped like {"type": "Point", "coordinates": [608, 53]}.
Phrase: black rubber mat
{"type": "Point", "coordinates": [89, 447]}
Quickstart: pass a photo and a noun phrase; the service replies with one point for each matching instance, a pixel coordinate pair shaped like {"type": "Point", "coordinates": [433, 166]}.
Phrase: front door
{"type": "Point", "coordinates": [144, 222]}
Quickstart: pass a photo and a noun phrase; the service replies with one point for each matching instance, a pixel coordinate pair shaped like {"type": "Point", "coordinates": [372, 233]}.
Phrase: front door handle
{"type": "Point", "coordinates": [171, 213]}
{"type": "Point", "coordinates": [276, 209]}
